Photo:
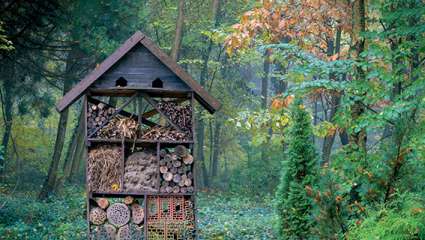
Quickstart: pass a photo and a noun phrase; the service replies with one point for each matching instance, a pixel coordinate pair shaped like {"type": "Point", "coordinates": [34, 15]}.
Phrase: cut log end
{"type": "Point", "coordinates": [118, 214]}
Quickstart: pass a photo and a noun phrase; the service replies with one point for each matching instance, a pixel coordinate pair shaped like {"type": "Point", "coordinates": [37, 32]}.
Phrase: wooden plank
{"type": "Point", "coordinates": [88, 195]}
{"type": "Point", "coordinates": [122, 164]}
{"type": "Point", "coordinates": [137, 194]}
{"type": "Point", "coordinates": [145, 221]}
{"type": "Point", "coordinates": [71, 96]}
{"type": "Point", "coordinates": [158, 149]}
{"type": "Point", "coordinates": [138, 141]}
{"type": "Point", "coordinates": [129, 91]}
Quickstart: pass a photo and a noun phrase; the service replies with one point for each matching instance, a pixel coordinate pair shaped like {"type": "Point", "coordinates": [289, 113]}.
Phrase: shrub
{"type": "Point", "coordinates": [293, 205]}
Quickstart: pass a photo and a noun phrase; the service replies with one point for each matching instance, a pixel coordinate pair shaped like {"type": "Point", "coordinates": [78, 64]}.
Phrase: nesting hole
{"type": "Point", "coordinates": [121, 82]}
{"type": "Point", "coordinates": [157, 83]}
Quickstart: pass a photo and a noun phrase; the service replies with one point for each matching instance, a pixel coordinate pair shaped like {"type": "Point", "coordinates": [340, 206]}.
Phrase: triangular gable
{"type": "Point", "coordinates": [139, 68]}
{"type": "Point", "coordinates": [103, 71]}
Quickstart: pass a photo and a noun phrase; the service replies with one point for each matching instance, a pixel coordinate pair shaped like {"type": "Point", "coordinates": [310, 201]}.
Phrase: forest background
{"type": "Point", "coordinates": [358, 65]}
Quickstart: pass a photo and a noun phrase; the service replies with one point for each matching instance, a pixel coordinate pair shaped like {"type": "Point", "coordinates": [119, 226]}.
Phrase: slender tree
{"type": "Point", "coordinates": [179, 32]}
{"type": "Point", "coordinates": [293, 205]}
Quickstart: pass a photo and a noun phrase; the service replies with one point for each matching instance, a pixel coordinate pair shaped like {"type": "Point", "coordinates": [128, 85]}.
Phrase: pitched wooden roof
{"type": "Point", "coordinates": [201, 95]}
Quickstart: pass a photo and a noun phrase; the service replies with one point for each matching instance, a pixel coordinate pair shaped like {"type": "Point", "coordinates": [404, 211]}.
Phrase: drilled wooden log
{"type": "Point", "coordinates": [118, 214]}
{"type": "Point", "coordinates": [124, 233]}
{"type": "Point", "coordinates": [110, 230]}
{"type": "Point", "coordinates": [138, 214]}
{"type": "Point", "coordinates": [128, 200]}
{"type": "Point", "coordinates": [102, 203]}
{"type": "Point", "coordinates": [103, 232]}
{"type": "Point", "coordinates": [97, 216]}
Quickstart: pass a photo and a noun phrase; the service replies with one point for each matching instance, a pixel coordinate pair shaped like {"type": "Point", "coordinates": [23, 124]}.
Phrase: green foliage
{"type": "Point", "coordinates": [61, 217]}
{"type": "Point", "coordinates": [5, 45]}
{"type": "Point", "coordinates": [229, 216]}
{"type": "Point", "coordinates": [294, 206]}
{"type": "Point", "coordinates": [221, 216]}
{"type": "Point", "coordinates": [403, 219]}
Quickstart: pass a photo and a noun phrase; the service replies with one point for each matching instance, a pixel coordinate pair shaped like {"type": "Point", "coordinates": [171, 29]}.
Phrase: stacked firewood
{"type": "Point", "coordinates": [97, 115]}
{"type": "Point", "coordinates": [164, 134]}
{"type": "Point", "coordinates": [141, 172]}
{"type": "Point", "coordinates": [176, 171]}
{"type": "Point", "coordinates": [181, 115]}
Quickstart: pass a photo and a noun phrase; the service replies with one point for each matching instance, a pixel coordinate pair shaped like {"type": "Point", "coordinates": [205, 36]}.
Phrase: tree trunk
{"type": "Point", "coordinates": [50, 181]}
{"type": "Point", "coordinates": [264, 98]}
{"type": "Point", "coordinates": [200, 156]}
{"type": "Point", "coordinates": [8, 115]}
{"type": "Point", "coordinates": [265, 78]}
{"type": "Point", "coordinates": [407, 121]}
{"type": "Point", "coordinates": [200, 132]}
{"type": "Point", "coordinates": [216, 150]}
{"type": "Point", "coordinates": [343, 136]}
{"type": "Point", "coordinates": [333, 48]}
{"type": "Point", "coordinates": [78, 158]}
{"type": "Point", "coordinates": [72, 149]}
{"type": "Point", "coordinates": [7, 103]}
{"type": "Point", "coordinates": [179, 32]}
{"type": "Point", "coordinates": [359, 138]}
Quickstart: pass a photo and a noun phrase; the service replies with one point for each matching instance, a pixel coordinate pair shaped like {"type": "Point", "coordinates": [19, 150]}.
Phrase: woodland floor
{"type": "Point", "coordinates": [220, 216]}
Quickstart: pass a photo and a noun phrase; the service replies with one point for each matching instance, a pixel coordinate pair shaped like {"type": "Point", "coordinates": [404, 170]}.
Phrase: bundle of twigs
{"type": "Point", "coordinates": [164, 134]}
{"type": "Point", "coordinates": [104, 169]}
{"type": "Point", "coordinates": [181, 115]}
{"type": "Point", "coordinates": [119, 127]}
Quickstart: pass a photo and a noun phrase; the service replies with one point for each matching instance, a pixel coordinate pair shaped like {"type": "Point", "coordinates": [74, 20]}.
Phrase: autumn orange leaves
{"type": "Point", "coordinates": [308, 23]}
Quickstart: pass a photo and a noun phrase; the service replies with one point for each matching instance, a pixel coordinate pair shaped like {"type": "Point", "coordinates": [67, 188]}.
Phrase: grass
{"type": "Point", "coordinates": [229, 216]}
{"type": "Point", "coordinates": [220, 216]}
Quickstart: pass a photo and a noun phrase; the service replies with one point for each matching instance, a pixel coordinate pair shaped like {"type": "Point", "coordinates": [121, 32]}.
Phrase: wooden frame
{"type": "Point", "coordinates": [185, 88]}
{"type": "Point", "coordinates": [157, 144]}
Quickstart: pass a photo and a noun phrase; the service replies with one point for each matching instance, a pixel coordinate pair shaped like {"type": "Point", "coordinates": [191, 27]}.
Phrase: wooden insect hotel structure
{"type": "Point", "coordinates": [139, 128]}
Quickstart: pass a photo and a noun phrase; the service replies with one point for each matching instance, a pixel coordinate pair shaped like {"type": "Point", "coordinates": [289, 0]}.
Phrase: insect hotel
{"type": "Point", "coordinates": [139, 128]}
